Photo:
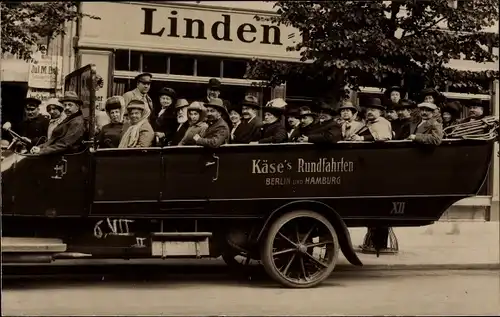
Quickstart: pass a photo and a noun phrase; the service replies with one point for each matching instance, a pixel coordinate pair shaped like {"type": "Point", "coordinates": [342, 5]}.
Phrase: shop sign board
{"type": "Point", "coordinates": [185, 29]}
{"type": "Point", "coordinates": [45, 72]}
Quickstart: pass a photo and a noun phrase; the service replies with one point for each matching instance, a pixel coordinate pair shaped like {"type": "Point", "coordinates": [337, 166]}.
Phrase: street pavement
{"type": "Point", "coordinates": [423, 278]}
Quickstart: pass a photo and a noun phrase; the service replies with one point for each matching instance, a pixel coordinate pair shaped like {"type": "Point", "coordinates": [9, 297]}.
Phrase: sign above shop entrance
{"type": "Point", "coordinates": [185, 29]}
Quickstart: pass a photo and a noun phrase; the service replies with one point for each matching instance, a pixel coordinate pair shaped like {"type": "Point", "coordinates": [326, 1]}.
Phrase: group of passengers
{"type": "Point", "coordinates": [132, 121]}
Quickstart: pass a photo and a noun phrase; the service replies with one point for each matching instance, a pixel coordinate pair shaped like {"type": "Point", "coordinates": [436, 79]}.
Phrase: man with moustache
{"type": "Point", "coordinates": [401, 127]}
{"type": "Point", "coordinates": [143, 85]}
{"type": "Point", "coordinates": [57, 115]}
{"type": "Point", "coordinates": [182, 123]}
{"type": "Point", "coordinates": [377, 128]}
{"type": "Point", "coordinates": [350, 122]}
{"type": "Point", "coordinates": [217, 132]}
{"type": "Point", "coordinates": [324, 130]}
{"type": "Point", "coordinates": [476, 111]}
{"type": "Point", "coordinates": [67, 136]}
{"type": "Point", "coordinates": [249, 130]}
{"type": "Point", "coordinates": [35, 127]}
{"type": "Point", "coordinates": [427, 130]}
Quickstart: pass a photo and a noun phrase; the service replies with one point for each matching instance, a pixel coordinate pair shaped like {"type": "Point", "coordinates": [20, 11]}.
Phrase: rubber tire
{"type": "Point", "coordinates": [267, 248]}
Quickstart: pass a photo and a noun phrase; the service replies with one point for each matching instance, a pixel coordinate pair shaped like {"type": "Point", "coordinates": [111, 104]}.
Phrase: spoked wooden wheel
{"type": "Point", "coordinates": [300, 250]}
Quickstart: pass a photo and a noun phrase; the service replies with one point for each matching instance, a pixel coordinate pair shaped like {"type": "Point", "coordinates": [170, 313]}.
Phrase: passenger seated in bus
{"type": "Point", "coordinates": [250, 127]}
{"type": "Point", "coordinates": [68, 135]}
{"type": "Point", "coordinates": [376, 128]}
{"type": "Point", "coordinates": [451, 113]}
{"type": "Point", "coordinates": [307, 118]}
{"type": "Point", "coordinates": [293, 121]}
{"type": "Point", "coordinates": [56, 111]}
{"type": "Point", "coordinates": [111, 134]}
{"type": "Point", "coordinates": [401, 127]}
{"type": "Point", "coordinates": [476, 110]}
{"type": "Point", "coordinates": [351, 123]}
{"type": "Point", "coordinates": [273, 130]}
{"type": "Point", "coordinates": [34, 128]}
{"type": "Point", "coordinates": [391, 113]}
{"type": "Point", "coordinates": [217, 132]}
{"type": "Point", "coordinates": [182, 124]}
{"type": "Point", "coordinates": [235, 116]}
{"type": "Point", "coordinates": [166, 121]}
{"type": "Point", "coordinates": [197, 125]}
{"type": "Point", "coordinates": [138, 132]}
{"type": "Point", "coordinates": [427, 130]}
{"type": "Point", "coordinates": [325, 130]}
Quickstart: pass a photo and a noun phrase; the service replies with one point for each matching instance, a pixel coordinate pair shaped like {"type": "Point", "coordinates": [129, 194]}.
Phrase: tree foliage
{"type": "Point", "coordinates": [346, 42]}
{"type": "Point", "coordinates": [25, 23]}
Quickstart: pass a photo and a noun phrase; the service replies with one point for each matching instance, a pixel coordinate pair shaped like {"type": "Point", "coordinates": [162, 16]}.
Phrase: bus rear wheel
{"type": "Point", "coordinates": [300, 249]}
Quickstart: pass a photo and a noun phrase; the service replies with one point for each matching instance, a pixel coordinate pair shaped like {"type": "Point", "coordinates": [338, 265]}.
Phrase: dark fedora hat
{"type": "Point", "coordinates": [306, 111]}
{"type": "Point", "coordinates": [431, 92]}
{"type": "Point", "coordinates": [214, 84]}
{"type": "Point", "coordinates": [452, 107]}
{"type": "Point", "coordinates": [34, 102]}
{"type": "Point", "coordinates": [373, 103]}
{"type": "Point", "coordinates": [389, 90]}
{"type": "Point", "coordinates": [138, 77]}
{"type": "Point", "coordinates": [405, 104]}
{"type": "Point", "coordinates": [474, 103]}
{"type": "Point", "coordinates": [251, 101]}
{"type": "Point", "coordinates": [218, 104]}
{"type": "Point", "coordinates": [167, 92]}
{"type": "Point", "coordinates": [325, 107]}
{"type": "Point", "coordinates": [71, 96]}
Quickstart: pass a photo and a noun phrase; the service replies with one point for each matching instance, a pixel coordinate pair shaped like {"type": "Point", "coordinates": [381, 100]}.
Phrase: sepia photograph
{"type": "Point", "coordinates": [250, 158]}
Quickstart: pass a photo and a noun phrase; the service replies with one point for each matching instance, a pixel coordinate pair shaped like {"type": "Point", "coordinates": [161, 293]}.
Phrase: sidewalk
{"type": "Point", "coordinates": [457, 245]}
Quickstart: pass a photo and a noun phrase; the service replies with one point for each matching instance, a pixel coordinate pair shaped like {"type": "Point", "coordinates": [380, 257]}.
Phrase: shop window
{"type": "Point", "coordinates": [127, 60]}
{"type": "Point", "coordinates": [182, 65]}
{"type": "Point", "coordinates": [207, 66]}
{"type": "Point", "coordinates": [234, 68]}
{"type": "Point", "coordinates": [154, 63]}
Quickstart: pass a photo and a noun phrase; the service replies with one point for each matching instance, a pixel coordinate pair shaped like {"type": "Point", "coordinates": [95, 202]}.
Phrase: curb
{"type": "Point", "coordinates": [421, 267]}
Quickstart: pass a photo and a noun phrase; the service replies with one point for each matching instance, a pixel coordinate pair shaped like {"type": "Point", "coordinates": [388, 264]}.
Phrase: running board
{"type": "Point", "coordinates": [32, 245]}
{"type": "Point", "coordinates": [180, 244]}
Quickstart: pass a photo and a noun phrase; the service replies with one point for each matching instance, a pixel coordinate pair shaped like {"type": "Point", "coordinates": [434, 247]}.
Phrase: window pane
{"type": "Point", "coordinates": [121, 86]}
{"type": "Point", "coordinates": [208, 66]}
{"type": "Point", "coordinates": [181, 65]}
{"type": "Point", "coordinates": [234, 68]}
{"type": "Point", "coordinates": [154, 63]}
{"type": "Point", "coordinates": [127, 60]}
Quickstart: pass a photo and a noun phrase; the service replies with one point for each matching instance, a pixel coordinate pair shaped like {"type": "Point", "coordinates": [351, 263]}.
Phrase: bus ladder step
{"type": "Point", "coordinates": [180, 244]}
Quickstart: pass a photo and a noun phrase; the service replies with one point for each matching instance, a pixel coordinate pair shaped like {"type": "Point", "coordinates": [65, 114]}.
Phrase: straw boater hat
{"type": "Point", "coordinates": [72, 97]}
{"type": "Point", "coordinates": [218, 104]}
{"type": "Point", "coordinates": [54, 102]}
{"type": "Point", "coordinates": [374, 103]}
{"type": "Point", "coordinates": [427, 105]}
{"type": "Point", "coordinates": [167, 92]}
{"type": "Point", "coordinates": [349, 105]}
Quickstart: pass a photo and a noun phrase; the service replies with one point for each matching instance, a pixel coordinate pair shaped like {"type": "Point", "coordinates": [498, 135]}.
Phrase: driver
{"type": "Point", "coordinates": [69, 133]}
{"type": "Point", "coordinates": [36, 125]}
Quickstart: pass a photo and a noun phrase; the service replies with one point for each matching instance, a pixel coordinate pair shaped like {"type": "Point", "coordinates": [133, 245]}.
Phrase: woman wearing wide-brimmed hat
{"type": "Point", "coordinates": [68, 135]}
{"type": "Point", "coordinates": [197, 125]}
{"type": "Point", "coordinates": [273, 130]}
{"type": "Point", "coordinates": [351, 123]}
{"type": "Point", "coordinates": [139, 132]}
{"type": "Point", "coordinates": [451, 113]}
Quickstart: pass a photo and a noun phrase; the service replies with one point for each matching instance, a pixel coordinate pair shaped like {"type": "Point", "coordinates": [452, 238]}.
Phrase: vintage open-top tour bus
{"type": "Point", "coordinates": [287, 205]}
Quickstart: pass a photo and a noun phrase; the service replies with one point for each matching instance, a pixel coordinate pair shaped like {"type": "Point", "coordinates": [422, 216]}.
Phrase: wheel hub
{"type": "Point", "coordinates": [302, 248]}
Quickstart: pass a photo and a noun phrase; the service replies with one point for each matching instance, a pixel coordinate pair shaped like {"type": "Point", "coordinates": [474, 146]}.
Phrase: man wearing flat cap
{"type": "Point", "coordinates": [217, 132]}
{"type": "Point", "coordinates": [427, 130]}
{"type": "Point", "coordinates": [36, 125]}
{"type": "Point", "coordinates": [143, 85]}
{"type": "Point", "coordinates": [67, 136]}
